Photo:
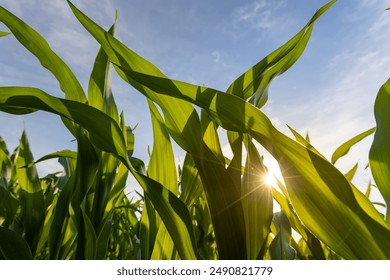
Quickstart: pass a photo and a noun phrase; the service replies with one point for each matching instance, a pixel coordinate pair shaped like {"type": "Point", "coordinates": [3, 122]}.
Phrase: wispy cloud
{"type": "Point", "coordinates": [258, 14]}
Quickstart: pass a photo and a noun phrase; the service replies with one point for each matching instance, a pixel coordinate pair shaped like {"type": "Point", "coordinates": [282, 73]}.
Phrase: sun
{"type": "Point", "coordinates": [273, 172]}
{"type": "Point", "coordinates": [270, 180]}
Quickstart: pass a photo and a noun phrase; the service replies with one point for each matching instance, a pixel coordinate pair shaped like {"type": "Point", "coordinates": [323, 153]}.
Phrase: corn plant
{"type": "Point", "coordinates": [211, 207]}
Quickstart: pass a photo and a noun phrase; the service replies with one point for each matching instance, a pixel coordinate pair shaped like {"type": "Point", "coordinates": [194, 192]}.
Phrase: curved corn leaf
{"type": "Point", "coordinates": [321, 195]}
{"type": "Point", "coordinates": [255, 82]}
{"type": "Point", "coordinates": [99, 88]}
{"type": "Point", "coordinates": [380, 150]}
{"type": "Point", "coordinates": [344, 148]}
{"type": "Point", "coordinates": [87, 116]}
{"type": "Point", "coordinates": [38, 46]}
{"type": "Point", "coordinates": [351, 173]}
{"type": "Point", "coordinates": [60, 154]}
{"type": "Point", "coordinates": [13, 246]}
{"type": "Point", "coordinates": [184, 126]}
{"type": "Point", "coordinates": [162, 166]}
{"type": "Point", "coordinates": [105, 133]}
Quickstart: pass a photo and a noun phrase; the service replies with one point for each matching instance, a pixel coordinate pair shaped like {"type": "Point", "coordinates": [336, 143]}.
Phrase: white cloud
{"type": "Point", "coordinates": [217, 56]}
{"type": "Point", "coordinates": [258, 14]}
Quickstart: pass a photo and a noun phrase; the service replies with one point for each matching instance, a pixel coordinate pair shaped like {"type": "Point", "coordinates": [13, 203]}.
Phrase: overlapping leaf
{"type": "Point", "coordinates": [321, 195]}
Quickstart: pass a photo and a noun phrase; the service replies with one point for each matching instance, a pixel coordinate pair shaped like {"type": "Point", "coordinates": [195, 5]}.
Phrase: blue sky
{"type": "Point", "coordinates": [329, 92]}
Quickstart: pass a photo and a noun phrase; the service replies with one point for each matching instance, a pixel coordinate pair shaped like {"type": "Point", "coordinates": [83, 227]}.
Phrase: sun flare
{"type": "Point", "coordinates": [273, 174]}
{"type": "Point", "coordinates": [270, 180]}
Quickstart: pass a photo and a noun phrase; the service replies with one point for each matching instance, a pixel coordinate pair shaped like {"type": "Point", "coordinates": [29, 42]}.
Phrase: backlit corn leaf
{"type": "Point", "coordinates": [256, 202]}
{"type": "Point", "coordinates": [161, 168]}
{"type": "Point", "coordinates": [321, 195]}
{"type": "Point", "coordinates": [38, 46]}
{"type": "Point", "coordinates": [344, 148]}
{"type": "Point", "coordinates": [184, 126]}
{"type": "Point", "coordinates": [99, 88]}
{"type": "Point", "coordinates": [255, 82]}
{"type": "Point", "coordinates": [380, 149]}
{"type": "Point", "coordinates": [173, 212]}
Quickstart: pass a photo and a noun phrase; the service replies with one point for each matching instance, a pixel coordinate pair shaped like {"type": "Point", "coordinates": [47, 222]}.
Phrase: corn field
{"type": "Point", "coordinates": [210, 206]}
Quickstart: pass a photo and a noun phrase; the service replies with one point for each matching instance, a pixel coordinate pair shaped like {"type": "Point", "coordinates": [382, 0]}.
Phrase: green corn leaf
{"type": "Point", "coordinates": [351, 173]}
{"type": "Point", "coordinates": [368, 191]}
{"type": "Point", "coordinates": [344, 148]}
{"type": "Point", "coordinates": [38, 46]}
{"type": "Point", "coordinates": [210, 136]}
{"type": "Point", "coordinates": [59, 239]}
{"type": "Point", "coordinates": [299, 138]}
{"type": "Point", "coordinates": [2, 33]}
{"type": "Point", "coordinates": [87, 238]}
{"type": "Point", "coordinates": [102, 240]}
{"type": "Point", "coordinates": [148, 229]}
{"type": "Point", "coordinates": [42, 248]}
{"type": "Point", "coordinates": [60, 154]}
{"type": "Point", "coordinates": [190, 183]}
{"type": "Point", "coordinates": [256, 202]}
{"type": "Point", "coordinates": [339, 219]}
{"type": "Point", "coordinates": [6, 165]}
{"type": "Point", "coordinates": [95, 121]}
{"type": "Point", "coordinates": [280, 248]}
{"type": "Point", "coordinates": [162, 167]}
{"type": "Point", "coordinates": [380, 150]}
{"type": "Point", "coordinates": [9, 207]}
{"type": "Point", "coordinates": [173, 212]}
{"type": "Point", "coordinates": [99, 88]}
{"type": "Point", "coordinates": [31, 194]}
{"type": "Point", "coordinates": [13, 246]}
{"type": "Point", "coordinates": [184, 126]}
{"type": "Point", "coordinates": [163, 247]}
{"type": "Point", "coordinates": [255, 82]}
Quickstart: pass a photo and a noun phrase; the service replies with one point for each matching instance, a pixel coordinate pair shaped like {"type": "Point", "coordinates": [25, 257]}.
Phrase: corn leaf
{"type": "Point", "coordinates": [2, 33]}
{"type": "Point", "coordinates": [99, 88]}
{"type": "Point", "coordinates": [87, 238]}
{"type": "Point", "coordinates": [257, 203]}
{"type": "Point", "coordinates": [190, 183]}
{"type": "Point", "coordinates": [162, 169]}
{"type": "Point", "coordinates": [38, 46]}
{"type": "Point", "coordinates": [13, 246]}
{"type": "Point", "coordinates": [184, 126]}
{"type": "Point", "coordinates": [9, 207]}
{"type": "Point", "coordinates": [89, 117]}
{"type": "Point", "coordinates": [173, 212]}
{"type": "Point", "coordinates": [255, 82]}
{"type": "Point", "coordinates": [351, 173]}
{"type": "Point", "coordinates": [280, 248]}
{"type": "Point", "coordinates": [31, 195]}
{"type": "Point", "coordinates": [380, 150]}
{"type": "Point", "coordinates": [162, 166]}
{"type": "Point", "coordinates": [339, 219]}
{"type": "Point", "coordinates": [344, 148]}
